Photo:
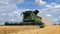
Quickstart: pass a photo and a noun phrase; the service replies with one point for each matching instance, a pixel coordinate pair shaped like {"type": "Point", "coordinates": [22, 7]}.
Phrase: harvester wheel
{"type": "Point", "coordinates": [42, 25]}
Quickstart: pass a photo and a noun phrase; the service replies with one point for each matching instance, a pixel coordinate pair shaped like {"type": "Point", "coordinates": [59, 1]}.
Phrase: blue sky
{"type": "Point", "coordinates": [28, 5]}
{"type": "Point", "coordinates": [10, 10]}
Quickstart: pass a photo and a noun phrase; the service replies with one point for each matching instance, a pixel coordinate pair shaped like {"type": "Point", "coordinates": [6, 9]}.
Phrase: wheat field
{"type": "Point", "coordinates": [29, 30]}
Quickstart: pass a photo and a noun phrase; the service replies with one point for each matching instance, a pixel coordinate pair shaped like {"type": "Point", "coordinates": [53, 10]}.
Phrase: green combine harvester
{"type": "Point", "coordinates": [30, 18]}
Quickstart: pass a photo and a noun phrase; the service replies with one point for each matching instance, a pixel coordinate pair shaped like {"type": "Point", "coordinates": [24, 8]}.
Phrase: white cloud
{"type": "Point", "coordinates": [55, 19]}
{"type": "Point", "coordinates": [12, 19]}
{"type": "Point", "coordinates": [9, 10]}
{"type": "Point", "coordinates": [40, 2]}
{"type": "Point", "coordinates": [59, 16]}
{"type": "Point", "coordinates": [49, 15]}
{"type": "Point", "coordinates": [3, 14]}
{"type": "Point", "coordinates": [57, 6]}
{"type": "Point", "coordinates": [50, 6]}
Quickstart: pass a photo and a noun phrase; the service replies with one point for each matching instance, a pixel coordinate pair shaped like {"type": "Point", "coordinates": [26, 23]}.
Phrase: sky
{"type": "Point", "coordinates": [10, 10]}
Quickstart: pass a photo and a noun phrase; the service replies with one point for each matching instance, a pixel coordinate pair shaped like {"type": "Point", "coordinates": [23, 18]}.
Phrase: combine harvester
{"type": "Point", "coordinates": [30, 18]}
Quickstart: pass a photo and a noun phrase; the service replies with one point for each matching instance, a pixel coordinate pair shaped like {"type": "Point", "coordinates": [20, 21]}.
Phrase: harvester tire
{"type": "Point", "coordinates": [42, 25]}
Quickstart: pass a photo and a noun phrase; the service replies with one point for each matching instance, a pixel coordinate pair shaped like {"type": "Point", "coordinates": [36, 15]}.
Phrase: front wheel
{"type": "Point", "coordinates": [42, 25]}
